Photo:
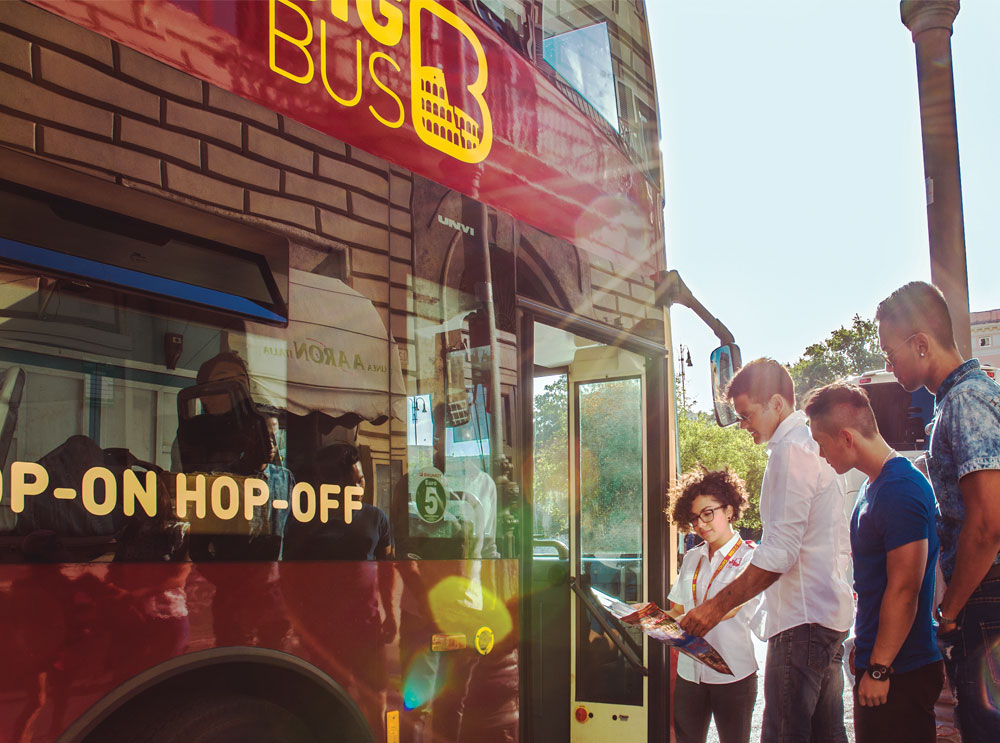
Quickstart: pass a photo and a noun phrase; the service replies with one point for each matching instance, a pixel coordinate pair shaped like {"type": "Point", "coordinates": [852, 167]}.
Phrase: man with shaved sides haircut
{"type": "Point", "coordinates": [915, 332]}
{"type": "Point", "coordinates": [800, 564]}
{"type": "Point", "coordinates": [896, 662]}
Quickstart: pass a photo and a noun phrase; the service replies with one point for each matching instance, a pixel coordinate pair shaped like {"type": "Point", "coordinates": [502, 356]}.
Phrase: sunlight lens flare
{"type": "Point", "coordinates": [461, 605]}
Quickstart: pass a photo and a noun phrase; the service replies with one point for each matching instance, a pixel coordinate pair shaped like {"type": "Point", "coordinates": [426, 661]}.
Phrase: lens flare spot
{"type": "Point", "coordinates": [460, 604]}
{"type": "Point", "coordinates": [423, 681]}
{"type": "Point", "coordinates": [990, 671]}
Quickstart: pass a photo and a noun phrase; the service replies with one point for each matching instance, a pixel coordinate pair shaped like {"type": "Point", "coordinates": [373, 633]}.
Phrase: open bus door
{"type": "Point", "coordinates": [595, 477]}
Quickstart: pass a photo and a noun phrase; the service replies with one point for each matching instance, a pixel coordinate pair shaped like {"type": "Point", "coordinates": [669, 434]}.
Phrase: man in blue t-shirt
{"type": "Point", "coordinates": [898, 668]}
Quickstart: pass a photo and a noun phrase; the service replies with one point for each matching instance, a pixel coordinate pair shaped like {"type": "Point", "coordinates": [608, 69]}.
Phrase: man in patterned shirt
{"type": "Point", "coordinates": [915, 333]}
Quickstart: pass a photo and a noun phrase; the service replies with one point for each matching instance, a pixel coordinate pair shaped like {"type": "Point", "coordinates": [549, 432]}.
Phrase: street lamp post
{"type": "Point", "coordinates": [682, 373]}
{"type": "Point", "coordinates": [930, 23]}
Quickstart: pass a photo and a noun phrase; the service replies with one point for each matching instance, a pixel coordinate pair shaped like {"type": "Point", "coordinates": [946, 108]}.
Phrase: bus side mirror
{"type": "Point", "coordinates": [724, 362]}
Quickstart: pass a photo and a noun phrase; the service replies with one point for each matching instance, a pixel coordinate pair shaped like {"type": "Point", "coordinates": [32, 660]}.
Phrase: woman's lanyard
{"type": "Point", "coordinates": [694, 579]}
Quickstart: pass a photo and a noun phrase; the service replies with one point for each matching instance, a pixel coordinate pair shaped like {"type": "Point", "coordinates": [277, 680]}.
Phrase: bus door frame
{"type": "Point", "coordinates": [659, 455]}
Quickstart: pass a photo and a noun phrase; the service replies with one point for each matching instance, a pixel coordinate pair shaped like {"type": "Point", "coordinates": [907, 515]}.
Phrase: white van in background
{"type": "Point", "coordinates": [903, 419]}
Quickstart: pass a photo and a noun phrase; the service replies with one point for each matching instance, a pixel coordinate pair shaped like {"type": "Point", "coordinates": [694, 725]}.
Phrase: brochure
{"type": "Point", "coordinates": [655, 622]}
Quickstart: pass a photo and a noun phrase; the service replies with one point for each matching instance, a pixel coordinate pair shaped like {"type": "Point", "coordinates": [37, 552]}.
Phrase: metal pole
{"type": "Point", "coordinates": [930, 22]}
{"type": "Point", "coordinates": [496, 402]}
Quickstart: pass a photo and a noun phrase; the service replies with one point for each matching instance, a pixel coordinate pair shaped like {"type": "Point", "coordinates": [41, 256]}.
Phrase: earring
{"type": "Point", "coordinates": [921, 354]}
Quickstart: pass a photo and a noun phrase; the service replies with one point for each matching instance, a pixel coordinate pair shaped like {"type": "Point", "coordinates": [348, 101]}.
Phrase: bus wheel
{"type": "Point", "coordinates": [213, 719]}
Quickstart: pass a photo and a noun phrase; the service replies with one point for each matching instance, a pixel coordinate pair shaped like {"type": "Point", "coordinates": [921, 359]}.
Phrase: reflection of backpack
{"type": "Point", "coordinates": [66, 465]}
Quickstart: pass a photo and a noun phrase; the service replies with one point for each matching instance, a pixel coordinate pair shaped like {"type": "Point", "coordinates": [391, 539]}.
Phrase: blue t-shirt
{"type": "Point", "coordinates": [896, 508]}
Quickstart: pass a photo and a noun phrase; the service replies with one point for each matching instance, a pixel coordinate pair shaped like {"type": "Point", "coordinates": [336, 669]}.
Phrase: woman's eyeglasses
{"type": "Point", "coordinates": [705, 515]}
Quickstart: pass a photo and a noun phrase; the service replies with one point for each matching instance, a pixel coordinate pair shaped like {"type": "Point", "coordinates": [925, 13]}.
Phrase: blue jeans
{"type": "Point", "coordinates": [804, 686]}
{"type": "Point", "coordinates": [972, 660]}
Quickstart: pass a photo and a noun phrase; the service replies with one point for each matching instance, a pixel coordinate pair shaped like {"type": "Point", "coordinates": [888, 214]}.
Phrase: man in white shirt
{"type": "Point", "coordinates": [801, 564]}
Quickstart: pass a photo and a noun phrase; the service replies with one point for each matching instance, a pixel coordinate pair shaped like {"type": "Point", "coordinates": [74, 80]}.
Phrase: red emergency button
{"type": "Point", "coordinates": [581, 714]}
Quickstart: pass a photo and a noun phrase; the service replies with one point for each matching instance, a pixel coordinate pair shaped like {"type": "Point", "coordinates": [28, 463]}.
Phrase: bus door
{"type": "Point", "coordinates": [589, 475]}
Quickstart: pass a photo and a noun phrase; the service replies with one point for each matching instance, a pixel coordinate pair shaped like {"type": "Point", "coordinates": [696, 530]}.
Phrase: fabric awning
{"type": "Point", "coordinates": [335, 356]}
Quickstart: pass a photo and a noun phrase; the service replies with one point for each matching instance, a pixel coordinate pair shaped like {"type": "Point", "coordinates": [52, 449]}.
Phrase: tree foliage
{"type": "Point", "coordinates": [551, 457]}
{"type": "Point", "coordinates": [611, 465]}
{"type": "Point", "coordinates": [703, 442]}
{"type": "Point", "coordinates": [610, 431]}
{"type": "Point", "coordinates": [848, 351]}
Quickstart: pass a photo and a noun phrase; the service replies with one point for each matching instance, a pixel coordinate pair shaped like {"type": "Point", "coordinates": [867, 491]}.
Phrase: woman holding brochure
{"type": "Point", "coordinates": [707, 502]}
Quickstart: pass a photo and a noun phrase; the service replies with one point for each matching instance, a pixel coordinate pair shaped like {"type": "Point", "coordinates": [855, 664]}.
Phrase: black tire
{"type": "Point", "coordinates": [218, 718]}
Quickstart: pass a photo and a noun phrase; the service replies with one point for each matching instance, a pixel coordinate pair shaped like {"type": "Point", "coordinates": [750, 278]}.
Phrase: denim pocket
{"type": "Point", "coordinates": [823, 646]}
{"type": "Point", "coordinates": [991, 648]}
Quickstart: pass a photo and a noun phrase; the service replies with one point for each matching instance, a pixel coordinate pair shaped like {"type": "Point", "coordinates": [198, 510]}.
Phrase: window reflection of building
{"type": "Point", "coordinates": [632, 66]}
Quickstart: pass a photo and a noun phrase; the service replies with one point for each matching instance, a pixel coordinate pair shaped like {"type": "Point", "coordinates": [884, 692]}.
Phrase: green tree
{"type": "Point", "coordinates": [703, 442]}
{"type": "Point", "coordinates": [611, 465]}
{"type": "Point", "coordinates": [610, 462]}
{"type": "Point", "coordinates": [848, 351]}
{"type": "Point", "coordinates": [551, 421]}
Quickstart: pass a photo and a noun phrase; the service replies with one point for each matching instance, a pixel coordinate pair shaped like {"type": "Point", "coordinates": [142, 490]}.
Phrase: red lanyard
{"type": "Point", "coordinates": [694, 579]}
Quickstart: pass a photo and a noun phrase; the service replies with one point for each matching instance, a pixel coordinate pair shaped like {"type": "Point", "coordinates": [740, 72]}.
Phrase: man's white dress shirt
{"type": "Point", "coordinates": [730, 637]}
{"type": "Point", "coordinates": [805, 535]}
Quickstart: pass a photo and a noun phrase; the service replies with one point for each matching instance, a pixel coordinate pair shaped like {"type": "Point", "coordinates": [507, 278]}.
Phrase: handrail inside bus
{"type": "Point", "coordinates": [562, 551]}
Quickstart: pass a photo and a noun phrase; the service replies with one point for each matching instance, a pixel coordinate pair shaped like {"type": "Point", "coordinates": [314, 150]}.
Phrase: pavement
{"type": "Point", "coordinates": [947, 732]}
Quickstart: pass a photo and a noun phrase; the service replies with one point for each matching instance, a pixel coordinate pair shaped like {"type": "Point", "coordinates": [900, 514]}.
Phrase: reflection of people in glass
{"type": "Point", "coordinates": [67, 619]}
{"type": "Point", "coordinates": [475, 502]}
{"type": "Point", "coordinates": [42, 647]}
{"type": "Point", "coordinates": [278, 436]}
{"type": "Point", "coordinates": [246, 610]}
{"type": "Point", "coordinates": [360, 589]}
{"type": "Point", "coordinates": [367, 537]}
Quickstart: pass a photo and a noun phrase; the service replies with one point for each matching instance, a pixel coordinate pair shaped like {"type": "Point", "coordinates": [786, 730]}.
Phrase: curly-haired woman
{"type": "Point", "coordinates": [707, 502]}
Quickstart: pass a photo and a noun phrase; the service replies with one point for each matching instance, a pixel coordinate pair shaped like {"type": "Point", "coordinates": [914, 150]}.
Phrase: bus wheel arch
{"type": "Point", "coordinates": [265, 685]}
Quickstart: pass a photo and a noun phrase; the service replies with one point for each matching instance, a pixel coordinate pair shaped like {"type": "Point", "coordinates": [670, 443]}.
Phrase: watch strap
{"type": "Point", "coordinates": [879, 672]}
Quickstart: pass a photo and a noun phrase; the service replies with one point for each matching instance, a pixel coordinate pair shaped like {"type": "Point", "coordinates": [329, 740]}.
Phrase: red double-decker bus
{"type": "Point", "coordinates": [334, 371]}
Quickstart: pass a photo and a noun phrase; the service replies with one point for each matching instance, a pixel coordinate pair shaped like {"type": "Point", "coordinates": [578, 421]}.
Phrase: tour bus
{"type": "Point", "coordinates": [904, 419]}
{"type": "Point", "coordinates": [334, 371]}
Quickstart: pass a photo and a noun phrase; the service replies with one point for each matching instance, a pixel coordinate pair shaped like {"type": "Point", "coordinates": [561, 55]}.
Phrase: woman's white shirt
{"type": "Point", "coordinates": [730, 637]}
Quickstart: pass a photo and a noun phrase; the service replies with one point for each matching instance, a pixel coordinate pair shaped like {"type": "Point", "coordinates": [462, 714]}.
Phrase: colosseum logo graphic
{"type": "Point", "coordinates": [439, 123]}
{"type": "Point", "coordinates": [447, 112]}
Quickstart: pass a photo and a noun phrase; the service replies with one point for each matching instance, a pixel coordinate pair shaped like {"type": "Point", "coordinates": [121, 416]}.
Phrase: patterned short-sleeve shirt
{"type": "Point", "coordinates": [966, 438]}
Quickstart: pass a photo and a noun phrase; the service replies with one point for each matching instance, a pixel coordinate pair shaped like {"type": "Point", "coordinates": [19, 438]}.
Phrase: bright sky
{"type": "Point", "coordinates": [793, 169]}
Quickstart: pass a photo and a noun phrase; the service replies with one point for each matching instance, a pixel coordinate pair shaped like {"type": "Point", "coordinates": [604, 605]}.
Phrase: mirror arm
{"type": "Point", "coordinates": [670, 289]}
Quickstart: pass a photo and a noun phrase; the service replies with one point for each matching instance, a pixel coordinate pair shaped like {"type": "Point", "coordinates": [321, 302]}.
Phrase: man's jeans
{"type": "Point", "coordinates": [804, 686]}
{"type": "Point", "coordinates": [972, 659]}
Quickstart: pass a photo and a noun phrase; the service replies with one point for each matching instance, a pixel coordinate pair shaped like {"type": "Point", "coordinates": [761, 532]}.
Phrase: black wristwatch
{"type": "Point", "coordinates": [879, 672]}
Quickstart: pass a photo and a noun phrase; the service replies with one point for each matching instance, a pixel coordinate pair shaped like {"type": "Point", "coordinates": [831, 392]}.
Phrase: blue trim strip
{"type": "Point", "coordinates": [32, 255]}
{"type": "Point", "coordinates": [16, 357]}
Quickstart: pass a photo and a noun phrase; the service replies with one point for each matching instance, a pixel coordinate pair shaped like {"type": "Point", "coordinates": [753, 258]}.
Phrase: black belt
{"type": "Point", "coordinates": [993, 573]}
